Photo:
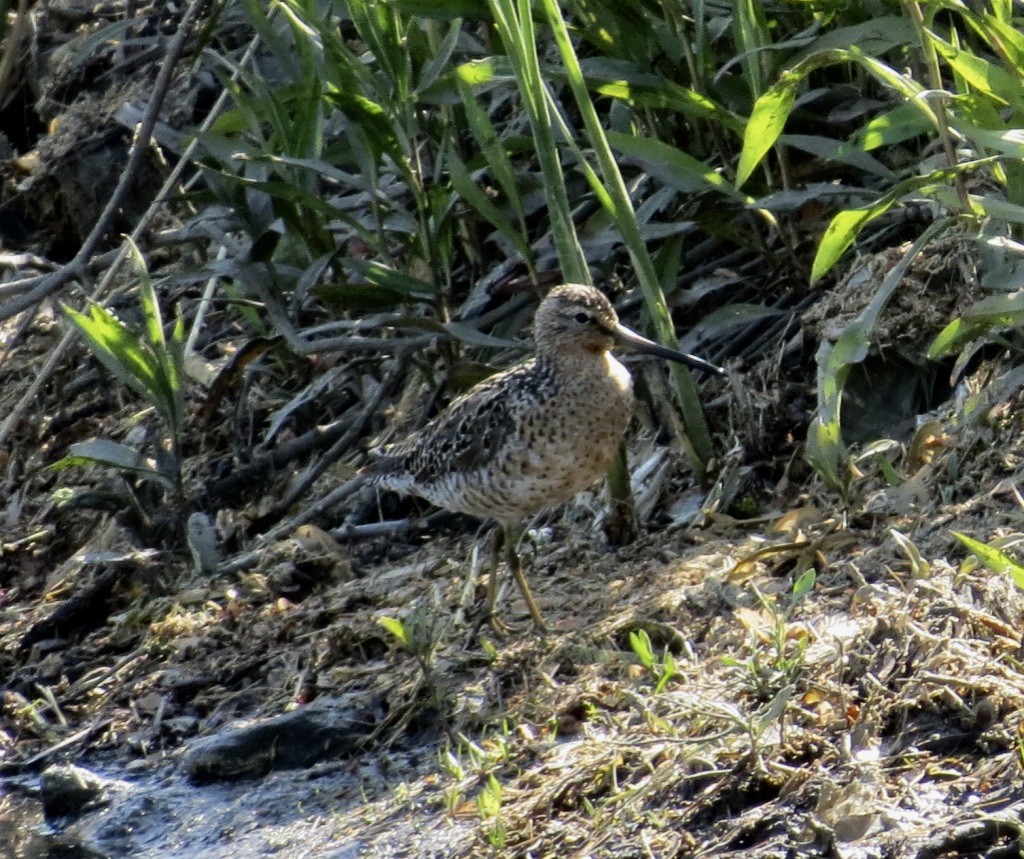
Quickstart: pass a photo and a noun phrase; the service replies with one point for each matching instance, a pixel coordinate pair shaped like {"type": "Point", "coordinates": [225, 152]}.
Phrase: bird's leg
{"type": "Point", "coordinates": [500, 538]}
{"type": "Point", "coordinates": [513, 533]}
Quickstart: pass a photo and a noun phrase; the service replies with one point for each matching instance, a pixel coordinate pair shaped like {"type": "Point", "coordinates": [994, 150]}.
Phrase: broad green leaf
{"type": "Point", "coordinates": [996, 311]}
{"type": "Point", "coordinates": [640, 644]}
{"type": "Point", "coordinates": [999, 30]}
{"type": "Point", "coordinates": [672, 166]}
{"type": "Point", "coordinates": [824, 450]}
{"type": "Point", "coordinates": [982, 75]}
{"type": "Point", "coordinates": [851, 348]}
{"type": "Point", "coordinates": [485, 71]}
{"type": "Point", "coordinates": [766, 122]}
{"type": "Point", "coordinates": [1009, 141]}
{"type": "Point", "coordinates": [874, 36]}
{"type": "Point", "coordinates": [668, 671]}
{"type": "Point", "coordinates": [993, 558]}
{"type": "Point", "coordinates": [901, 123]}
{"type": "Point", "coordinates": [988, 205]}
{"type": "Point", "coordinates": [665, 94]}
{"type": "Point", "coordinates": [120, 350]}
{"type": "Point", "coordinates": [111, 454]}
{"type": "Point", "coordinates": [773, 107]}
{"type": "Point", "coordinates": [804, 584]}
{"type": "Point", "coordinates": [396, 627]}
{"type": "Point", "coordinates": [842, 231]}
{"type": "Point", "coordinates": [839, 235]}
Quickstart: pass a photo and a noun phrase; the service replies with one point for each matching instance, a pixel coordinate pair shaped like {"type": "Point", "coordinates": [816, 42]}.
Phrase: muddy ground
{"type": "Point", "coordinates": [773, 668]}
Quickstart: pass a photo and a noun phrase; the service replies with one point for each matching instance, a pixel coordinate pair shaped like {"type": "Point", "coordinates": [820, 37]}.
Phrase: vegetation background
{"type": "Point", "coordinates": [340, 215]}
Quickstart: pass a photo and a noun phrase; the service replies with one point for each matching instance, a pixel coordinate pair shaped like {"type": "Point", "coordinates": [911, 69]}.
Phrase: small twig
{"type": "Point", "coordinates": [276, 458]}
{"type": "Point", "coordinates": [252, 557]}
{"type": "Point", "coordinates": [17, 287]}
{"type": "Point", "coordinates": [373, 529]}
{"type": "Point", "coordinates": [51, 283]}
{"type": "Point", "coordinates": [77, 737]}
{"type": "Point", "coordinates": [314, 472]}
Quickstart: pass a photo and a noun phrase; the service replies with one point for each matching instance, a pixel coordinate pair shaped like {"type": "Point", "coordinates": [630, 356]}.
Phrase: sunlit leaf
{"type": "Point", "coordinates": [996, 311]}
{"type": "Point", "coordinates": [874, 36]}
{"type": "Point", "coordinates": [895, 126]}
{"type": "Point", "coordinates": [672, 166]}
{"type": "Point", "coordinates": [111, 454]}
{"type": "Point", "coordinates": [993, 558]}
{"type": "Point", "coordinates": [120, 350]}
{"type": "Point", "coordinates": [766, 122]}
{"type": "Point", "coordinates": [979, 73]}
{"type": "Point", "coordinates": [396, 627]}
{"type": "Point", "coordinates": [804, 584]}
{"type": "Point", "coordinates": [839, 235]}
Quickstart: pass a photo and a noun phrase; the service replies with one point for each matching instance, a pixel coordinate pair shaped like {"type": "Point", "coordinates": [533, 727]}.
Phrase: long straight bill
{"type": "Point", "coordinates": [628, 337]}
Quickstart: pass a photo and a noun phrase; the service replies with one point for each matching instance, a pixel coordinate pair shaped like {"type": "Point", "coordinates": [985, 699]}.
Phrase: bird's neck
{"type": "Point", "coordinates": [582, 364]}
{"type": "Point", "coordinates": [575, 360]}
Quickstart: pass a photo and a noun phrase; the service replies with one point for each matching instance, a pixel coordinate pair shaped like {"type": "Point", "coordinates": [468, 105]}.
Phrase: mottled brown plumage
{"type": "Point", "coordinates": [536, 434]}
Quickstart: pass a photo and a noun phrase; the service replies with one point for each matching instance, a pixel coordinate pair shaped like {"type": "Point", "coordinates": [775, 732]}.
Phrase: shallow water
{"type": "Point", "coordinates": [24, 833]}
{"type": "Point", "coordinates": [319, 811]}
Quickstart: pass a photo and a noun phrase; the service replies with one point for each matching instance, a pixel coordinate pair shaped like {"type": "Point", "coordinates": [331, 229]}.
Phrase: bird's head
{"type": "Point", "coordinates": [577, 319]}
{"type": "Point", "coordinates": [574, 318]}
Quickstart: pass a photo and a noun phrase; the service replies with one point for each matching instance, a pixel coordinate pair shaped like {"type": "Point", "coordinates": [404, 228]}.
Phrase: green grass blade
{"type": "Point", "coordinates": [824, 448]}
{"type": "Point", "coordinates": [987, 78]}
{"type": "Point", "coordinates": [111, 454]}
{"type": "Point", "coordinates": [765, 125]}
{"type": "Point", "coordinates": [843, 229]}
{"type": "Point", "coordinates": [513, 19]}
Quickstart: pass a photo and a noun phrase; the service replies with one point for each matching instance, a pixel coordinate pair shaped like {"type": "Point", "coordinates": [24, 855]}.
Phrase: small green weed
{"type": "Point", "coordinates": [663, 670]}
{"type": "Point", "coordinates": [151, 363]}
{"type": "Point", "coordinates": [780, 664]}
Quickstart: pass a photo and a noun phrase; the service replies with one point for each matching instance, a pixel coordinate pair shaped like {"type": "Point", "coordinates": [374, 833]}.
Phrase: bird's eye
{"type": "Point", "coordinates": [582, 318]}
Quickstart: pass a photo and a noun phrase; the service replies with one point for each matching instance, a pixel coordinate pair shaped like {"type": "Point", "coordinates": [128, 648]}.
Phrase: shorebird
{"type": "Point", "coordinates": [534, 435]}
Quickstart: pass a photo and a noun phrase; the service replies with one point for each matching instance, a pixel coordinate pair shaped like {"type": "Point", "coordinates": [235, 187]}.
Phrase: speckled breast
{"type": "Point", "coordinates": [556, 451]}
